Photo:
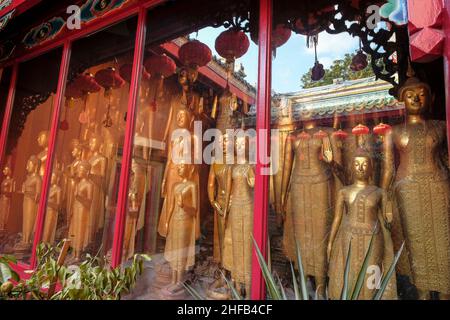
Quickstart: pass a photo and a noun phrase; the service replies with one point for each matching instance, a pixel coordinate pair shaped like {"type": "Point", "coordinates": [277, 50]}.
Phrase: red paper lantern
{"type": "Point", "coordinates": [359, 62]}
{"type": "Point", "coordinates": [360, 130]}
{"type": "Point", "coordinates": [280, 35]}
{"type": "Point", "coordinates": [126, 70]}
{"type": "Point", "coordinates": [232, 44]}
{"type": "Point", "coordinates": [381, 129]}
{"type": "Point", "coordinates": [64, 125]}
{"type": "Point", "coordinates": [316, 22]}
{"type": "Point", "coordinates": [304, 135]}
{"type": "Point", "coordinates": [195, 54]}
{"type": "Point", "coordinates": [109, 78]}
{"type": "Point", "coordinates": [320, 134]}
{"type": "Point", "coordinates": [340, 134]}
{"type": "Point", "coordinates": [86, 83]}
{"type": "Point", "coordinates": [160, 65]}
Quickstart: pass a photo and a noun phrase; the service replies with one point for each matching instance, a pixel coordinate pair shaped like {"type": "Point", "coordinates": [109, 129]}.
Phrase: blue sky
{"type": "Point", "coordinates": [292, 60]}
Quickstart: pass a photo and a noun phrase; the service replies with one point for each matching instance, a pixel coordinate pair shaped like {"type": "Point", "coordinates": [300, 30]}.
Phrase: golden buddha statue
{"type": "Point", "coordinates": [98, 166]}
{"type": "Point", "coordinates": [217, 195]}
{"type": "Point", "coordinates": [183, 228]}
{"type": "Point", "coordinates": [82, 208]}
{"type": "Point", "coordinates": [31, 193]}
{"type": "Point", "coordinates": [228, 104]}
{"type": "Point", "coordinates": [240, 184]}
{"type": "Point", "coordinates": [285, 125]}
{"type": "Point", "coordinates": [53, 207]}
{"type": "Point", "coordinates": [421, 189]}
{"type": "Point", "coordinates": [71, 179]}
{"type": "Point", "coordinates": [7, 188]}
{"type": "Point", "coordinates": [135, 198]}
{"type": "Point", "coordinates": [42, 156]}
{"type": "Point", "coordinates": [360, 212]}
{"type": "Point", "coordinates": [307, 191]}
{"type": "Point", "coordinates": [171, 177]}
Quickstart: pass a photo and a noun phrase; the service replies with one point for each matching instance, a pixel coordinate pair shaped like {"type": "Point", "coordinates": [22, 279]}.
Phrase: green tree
{"type": "Point", "coordinates": [340, 69]}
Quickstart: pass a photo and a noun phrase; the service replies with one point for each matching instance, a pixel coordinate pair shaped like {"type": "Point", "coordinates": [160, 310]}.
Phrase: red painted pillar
{"type": "Point", "coordinates": [446, 29]}
{"type": "Point", "coordinates": [122, 199]}
{"type": "Point", "coordinates": [263, 141]}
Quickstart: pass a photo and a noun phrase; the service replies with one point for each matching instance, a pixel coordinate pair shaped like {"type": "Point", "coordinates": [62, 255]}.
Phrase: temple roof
{"type": "Point", "coordinates": [342, 98]}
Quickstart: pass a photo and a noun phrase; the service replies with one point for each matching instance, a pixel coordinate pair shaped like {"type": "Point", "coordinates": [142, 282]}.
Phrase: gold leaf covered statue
{"type": "Point", "coordinates": [98, 166]}
{"type": "Point", "coordinates": [7, 188]}
{"type": "Point", "coordinates": [217, 194]}
{"type": "Point", "coordinates": [240, 182]}
{"type": "Point", "coordinates": [71, 178]}
{"type": "Point", "coordinates": [360, 212]}
{"type": "Point", "coordinates": [307, 193]}
{"type": "Point", "coordinates": [421, 189]}
{"type": "Point", "coordinates": [31, 192]}
{"type": "Point", "coordinates": [182, 228]}
{"type": "Point", "coordinates": [82, 203]}
{"type": "Point", "coordinates": [53, 207]}
{"type": "Point", "coordinates": [42, 156]}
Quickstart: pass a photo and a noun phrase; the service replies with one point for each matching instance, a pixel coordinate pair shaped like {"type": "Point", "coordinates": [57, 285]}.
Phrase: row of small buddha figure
{"type": "Point", "coordinates": [64, 192]}
{"type": "Point", "coordinates": [410, 204]}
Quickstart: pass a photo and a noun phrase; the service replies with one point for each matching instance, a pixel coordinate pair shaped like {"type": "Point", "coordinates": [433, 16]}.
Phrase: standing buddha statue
{"type": "Point", "coordinates": [81, 211]}
{"type": "Point", "coordinates": [31, 192]}
{"type": "Point", "coordinates": [182, 229]}
{"type": "Point", "coordinates": [307, 192]}
{"type": "Point", "coordinates": [98, 166]}
{"type": "Point", "coordinates": [42, 156]}
{"type": "Point", "coordinates": [53, 207]}
{"type": "Point", "coordinates": [7, 188]}
{"type": "Point", "coordinates": [420, 188]}
{"type": "Point", "coordinates": [360, 212]}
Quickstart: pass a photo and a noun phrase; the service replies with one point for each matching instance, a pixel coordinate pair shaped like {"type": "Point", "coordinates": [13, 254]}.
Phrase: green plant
{"type": "Point", "coordinates": [93, 279]}
{"type": "Point", "coordinates": [276, 291]}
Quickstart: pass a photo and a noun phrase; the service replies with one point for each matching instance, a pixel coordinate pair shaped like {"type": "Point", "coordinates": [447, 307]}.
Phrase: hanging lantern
{"type": "Point", "coordinates": [359, 62]}
{"type": "Point", "coordinates": [126, 70]}
{"type": "Point", "coordinates": [280, 35]}
{"type": "Point", "coordinates": [340, 134]}
{"type": "Point", "coordinates": [316, 22]}
{"type": "Point", "coordinates": [318, 72]}
{"type": "Point", "coordinates": [381, 129]}
{"type": "Point", "coordinates": [195, 54]}
{"type": "Point", "coordinates": [232, 44]}
{"type": "Point", "coordinates": [320, 134]}
{"type": "Point", "coordinates": [109, 79]}
{"type": "Point", "coordinates": [360, 129]}
{"type": "Point", "coordinates": [64, 125]}
{"type": "Point", "coordinates": [86, 83]}
{"type": "Point", "coordinates": [160, 67]}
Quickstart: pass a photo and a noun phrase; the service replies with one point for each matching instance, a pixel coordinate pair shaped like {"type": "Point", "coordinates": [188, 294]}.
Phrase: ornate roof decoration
{"type": "Point", "coordinates": [5, 19]}
{"type": "Point", "coordinates": [353, 97]}
{"type": "Point", "coordinates": [44, 32]}
{"type": "Point", "coordinates": [93, 9]}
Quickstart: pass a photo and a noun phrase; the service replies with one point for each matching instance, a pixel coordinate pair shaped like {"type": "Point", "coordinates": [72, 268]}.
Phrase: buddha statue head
{"type": "Point", "coordinates": [7, 171]}
{"type": "Point", "coordinates": [33, 164]}
{"type": "Point", "coordinates": [362, 165]}
{"type": "Point", "coordinates": [183, 119]}
{"type": "Point", "coordinates": [83, 169]}
{"type": "Point", "coordinates": [43, 139]}
{"type": "Point", "coordinates": [94, 144]}
{"type": "Point", "coordinates": [184, 169]}
{"type": "Point", "coordinates": [416, 95]}
{"type": "Point", "coordinates": [228, 99]}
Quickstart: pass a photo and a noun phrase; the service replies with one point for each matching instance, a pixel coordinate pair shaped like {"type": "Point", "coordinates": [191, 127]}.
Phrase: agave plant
{"type": "Point", "coordinates": [276, 290]}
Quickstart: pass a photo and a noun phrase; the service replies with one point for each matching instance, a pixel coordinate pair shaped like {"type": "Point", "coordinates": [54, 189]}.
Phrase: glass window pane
{"type": "Point", "coordinates": [85, 178]}
{"type": "Point", "coordinates": [179, 209]}
{"type": "Point", "coordinates": [26, 151]}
